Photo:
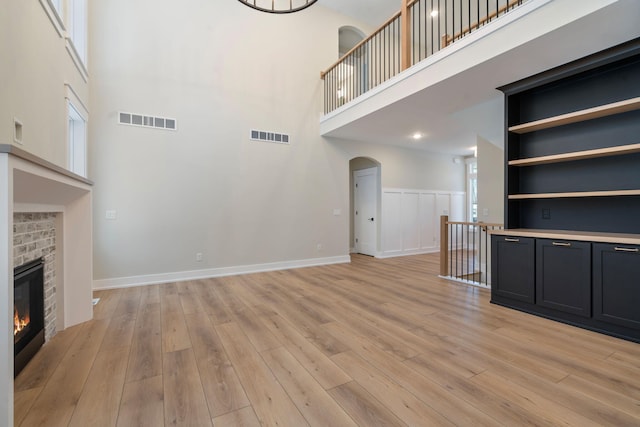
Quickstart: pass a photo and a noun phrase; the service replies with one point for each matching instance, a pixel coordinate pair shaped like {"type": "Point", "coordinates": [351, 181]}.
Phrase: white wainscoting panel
{"type": "Point", "coordinates": [428, 240]}
{"type": "Point", "coordinates": [457, 207]}
{"type": "Point", "coordinates": [391, 222]}
{"type": "Point", "coordinates": [411, 219]}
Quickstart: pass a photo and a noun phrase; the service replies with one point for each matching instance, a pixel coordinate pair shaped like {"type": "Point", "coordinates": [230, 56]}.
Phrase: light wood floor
{"type": "Point", "coordinates": [373, 343]}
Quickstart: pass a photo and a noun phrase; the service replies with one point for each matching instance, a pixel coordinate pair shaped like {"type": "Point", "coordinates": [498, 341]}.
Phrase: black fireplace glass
{"type": "Point", "coordinates": [21, 310]}
{"type": "Point", "coordinates": [28, 312]}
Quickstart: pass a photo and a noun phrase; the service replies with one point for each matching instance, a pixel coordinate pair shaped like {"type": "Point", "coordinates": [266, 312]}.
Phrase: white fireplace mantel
{"type": "Point", "coordinates": [31, 184]}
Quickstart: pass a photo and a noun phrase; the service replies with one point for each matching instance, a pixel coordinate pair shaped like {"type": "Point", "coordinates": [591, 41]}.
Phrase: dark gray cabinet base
{"type": "Point", "coordinates": [616, 284]}
{"type": "Point", "coordinates": [563, 276]}
{"type": "Point", "coordinates": [594, 286]}
{"type": "Point", "coordinates": [513, 278]}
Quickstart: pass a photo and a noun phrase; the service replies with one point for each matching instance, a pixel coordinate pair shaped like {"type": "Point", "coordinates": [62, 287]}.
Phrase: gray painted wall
{"type": "Point", "coordinates": [207, 188]}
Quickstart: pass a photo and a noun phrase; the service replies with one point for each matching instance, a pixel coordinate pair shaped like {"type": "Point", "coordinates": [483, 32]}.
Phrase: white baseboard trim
{"type": "Point", "coordinates": [154, 279]}
{"type": "Point", "coordinates": [393, 254]}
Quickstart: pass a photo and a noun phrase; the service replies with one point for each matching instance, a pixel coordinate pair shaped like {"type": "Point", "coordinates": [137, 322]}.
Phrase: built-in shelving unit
{"type": "Point", "coordinates": [573, 145]}
{"type": "Point", "coordinates": [570, 250]}
{"type": "Point", "coordinates": [578, 116]}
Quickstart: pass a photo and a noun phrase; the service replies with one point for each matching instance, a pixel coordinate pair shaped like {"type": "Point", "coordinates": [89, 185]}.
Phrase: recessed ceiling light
{"type": "Point", "coordinates": [417, 136]}
{"type": "Point", "coordinates": [434, 13]}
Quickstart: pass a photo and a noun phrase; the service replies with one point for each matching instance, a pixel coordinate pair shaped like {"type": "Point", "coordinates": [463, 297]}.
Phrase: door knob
{"type": "Point", "coordinates": [371, 219]}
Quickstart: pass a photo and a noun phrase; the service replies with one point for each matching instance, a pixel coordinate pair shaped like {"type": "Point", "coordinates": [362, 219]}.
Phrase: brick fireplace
{"type": "Point", "coordinates": [34, 237]}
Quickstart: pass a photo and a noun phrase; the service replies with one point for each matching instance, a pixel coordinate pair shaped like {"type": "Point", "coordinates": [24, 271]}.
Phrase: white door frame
{"type": "Point", "coordinates": [374, 171]}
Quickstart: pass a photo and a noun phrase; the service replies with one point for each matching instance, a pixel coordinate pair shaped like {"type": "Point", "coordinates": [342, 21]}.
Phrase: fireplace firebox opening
{"type": "Point", "coordinates": [28, 312]}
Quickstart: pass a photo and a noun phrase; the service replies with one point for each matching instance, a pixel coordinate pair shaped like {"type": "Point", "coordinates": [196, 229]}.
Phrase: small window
{"type": "Point", "coordinates": [77, 142]}
{"type": "Point", "coordinates": [57, 5]}
{"type": "Point", "coordinates": [53, 9]}
{"type": "Point", "coordinates": [77, 116]}
{"type": "Point", "coordinates": [78, 27]}
{"type": "Point", "coordinates": [472, 189]}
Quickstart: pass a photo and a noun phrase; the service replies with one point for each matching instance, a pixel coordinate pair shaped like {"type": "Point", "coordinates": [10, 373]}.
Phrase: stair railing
{"type": "Point", "coordinates": [465, 251]}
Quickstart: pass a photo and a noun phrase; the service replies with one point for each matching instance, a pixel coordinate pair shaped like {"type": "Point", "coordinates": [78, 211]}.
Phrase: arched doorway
{"type": "Point", "coordinates": [364, 203]}
{"type": "Point", "coordinates": [351, 75]}
{"type": "Point", "coordinates": [348, 38]}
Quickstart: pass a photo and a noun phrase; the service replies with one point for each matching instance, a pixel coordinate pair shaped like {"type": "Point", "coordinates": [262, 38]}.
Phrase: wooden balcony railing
{"type": "Point", "coordinates": [372, 61]}
{"type": "Point", "coordinates": [420, 29]}
{"type": "Point", "coordinates": [447, 39]}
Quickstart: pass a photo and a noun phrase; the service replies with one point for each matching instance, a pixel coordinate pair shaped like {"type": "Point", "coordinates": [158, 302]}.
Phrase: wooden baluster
{"type": "Point", "coordinates": [444, 245]}
{"type": "Point", "coordinates": [405, 36]}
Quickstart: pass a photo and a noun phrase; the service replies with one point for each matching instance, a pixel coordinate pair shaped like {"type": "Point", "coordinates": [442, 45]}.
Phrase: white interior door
{"type": "Point", "coordinates": [365, 201]}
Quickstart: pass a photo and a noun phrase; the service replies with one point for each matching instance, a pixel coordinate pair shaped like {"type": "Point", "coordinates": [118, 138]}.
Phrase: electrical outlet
{"type": "Point", "coordinates": [546, 213]}
{"type": "Point", "coordinates": [199, 257]}
{"type": "Point", "coordinates": [319, 246]}
{"type": "Point", "coordinates": [111, 214]}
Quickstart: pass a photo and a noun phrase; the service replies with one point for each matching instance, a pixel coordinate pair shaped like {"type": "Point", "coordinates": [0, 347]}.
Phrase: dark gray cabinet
{"type": "Point", "coordinates": [616, 284]}
{"type": "Point", "coordinates": [513, 260]}
{"type": "Point", "coordinates": [563, 276]}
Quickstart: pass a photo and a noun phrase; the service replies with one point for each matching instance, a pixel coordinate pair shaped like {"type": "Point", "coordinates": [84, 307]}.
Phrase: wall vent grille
{"type": "Point", "coordinates": [266, 136]}
{"type": "Point", "coordinates": [134, 119]}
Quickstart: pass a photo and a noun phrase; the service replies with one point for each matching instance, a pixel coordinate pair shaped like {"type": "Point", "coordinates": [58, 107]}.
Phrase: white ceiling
{"type": "Point", "coordinates": [455, 111]}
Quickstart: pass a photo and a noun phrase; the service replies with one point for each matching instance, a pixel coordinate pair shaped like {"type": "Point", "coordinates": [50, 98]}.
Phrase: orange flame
{"type": "Point", "coordinates": [19, 323]}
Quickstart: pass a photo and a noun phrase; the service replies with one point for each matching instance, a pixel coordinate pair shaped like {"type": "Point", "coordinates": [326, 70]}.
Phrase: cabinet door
{"type": "Point", "coordinates": [616, 284]}
{"type": "Point", "coordinates": [513, 270]}
{"type": "Point", "coordinates": [563, 276]}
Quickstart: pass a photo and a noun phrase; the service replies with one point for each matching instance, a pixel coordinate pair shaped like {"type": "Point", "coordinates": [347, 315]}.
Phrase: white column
{"type": "Point", "coordinates": [6, 291]}
{"type": "Point", "coordinates": [78, 261]}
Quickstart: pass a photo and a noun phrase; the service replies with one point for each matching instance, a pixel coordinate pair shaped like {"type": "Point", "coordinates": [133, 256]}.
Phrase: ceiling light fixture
{"type": "Point", "coordinates": [278, 6]}
{"type": "Point", "coordinates": [434, 13]}
{"type": "Point", "coordinates": [417, 136]}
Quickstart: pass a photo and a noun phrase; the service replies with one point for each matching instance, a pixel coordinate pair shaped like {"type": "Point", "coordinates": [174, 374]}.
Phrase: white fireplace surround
{"type": "Point", "coordinates": [30, 184]}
